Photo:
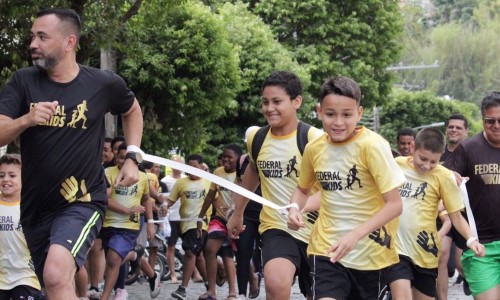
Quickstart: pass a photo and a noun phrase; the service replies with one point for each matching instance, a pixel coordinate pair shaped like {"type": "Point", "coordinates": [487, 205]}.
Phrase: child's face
{"type": "Point", "coordinates": [425, 161]}
{"type": "Point", "coordinates": [277, 106]}
{"type": "Point", "coordinates": [120, 158]}
{"type": "Point", "coordinates": [340, 115]}
{"type": "Point", "coordinates": [229, 159]}
{"type": "Point", "coordinates": [194, 164]}
{"type": "Point", "coordinates": [10, 180]}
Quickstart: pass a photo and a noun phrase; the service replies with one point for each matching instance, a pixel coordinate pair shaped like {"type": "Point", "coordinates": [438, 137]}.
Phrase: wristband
{"type": "Point", "coordinates": [295, 205]}
{"type": "Point", "coordinates": [133, 148]}
{"type": "Point", "coordinates": [470, 241]}
{"type": "Point", "coordinates": [151, 221]}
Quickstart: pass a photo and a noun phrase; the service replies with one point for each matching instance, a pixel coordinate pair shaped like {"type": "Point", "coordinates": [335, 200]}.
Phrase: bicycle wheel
{"type": "Point", "coordinates": [131, 277]}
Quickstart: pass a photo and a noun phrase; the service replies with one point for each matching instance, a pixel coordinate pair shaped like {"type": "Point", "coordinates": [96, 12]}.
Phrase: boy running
{"type": "Point", "coordinates": [283, 251]}
{"type": "Point", "coordinates": [417, 241]}
{"type": "Point", "coordinates": [353, 239]}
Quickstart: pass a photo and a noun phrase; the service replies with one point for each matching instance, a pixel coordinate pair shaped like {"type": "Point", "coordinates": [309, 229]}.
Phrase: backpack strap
{"type": "Point", "coordinates": [258, 140]}
{"type": "Point", "coordinates": [302, 136]}
{"type": "Point", "coordinates": [260, 136]}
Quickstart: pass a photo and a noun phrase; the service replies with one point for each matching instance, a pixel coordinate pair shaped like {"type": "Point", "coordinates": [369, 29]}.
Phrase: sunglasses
{"type": "Point", "coordinates": [491, 121]}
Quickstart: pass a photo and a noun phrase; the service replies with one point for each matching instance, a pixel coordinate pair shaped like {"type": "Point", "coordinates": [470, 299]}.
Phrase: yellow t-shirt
{"type": "Point", "coordinates": [128, 197]}
{"type": "Point", "coordinates": [417, 235]}
{"type": "Point", "coordinates": [16, 267]}
{"type": "Point", "coordinates": [223, 201]}
{"type": "Point", "coordinates": [278, 165]}
{"type": "Point", "coordinates": [353, 177]}
{"type": "Point", "coordinates": [192, 195]}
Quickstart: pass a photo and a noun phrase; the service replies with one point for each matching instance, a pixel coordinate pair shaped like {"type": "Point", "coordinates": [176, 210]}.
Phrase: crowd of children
{"type": "Point", "coordinates": [359, 220]}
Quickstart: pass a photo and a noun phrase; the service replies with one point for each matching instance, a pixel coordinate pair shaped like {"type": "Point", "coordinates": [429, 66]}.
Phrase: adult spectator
{"type": "Point", "coordinates": [406, 141]}
{"type": "Point", "coordinates": [456, 130]}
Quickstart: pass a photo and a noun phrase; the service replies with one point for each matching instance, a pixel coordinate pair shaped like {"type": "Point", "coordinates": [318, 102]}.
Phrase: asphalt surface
{"type": "Point", "coordinates": [141, 291]}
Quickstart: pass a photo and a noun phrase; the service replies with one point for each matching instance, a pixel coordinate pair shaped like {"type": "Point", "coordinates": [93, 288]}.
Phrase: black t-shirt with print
{"type": "Point", "coordinates": [477, 159]}
{"type": "Point", "coordinates": [62, 158]}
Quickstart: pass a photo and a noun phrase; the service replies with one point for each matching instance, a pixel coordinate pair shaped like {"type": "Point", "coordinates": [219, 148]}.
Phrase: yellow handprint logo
{"type": "Point", "coordinates": [69, 189]}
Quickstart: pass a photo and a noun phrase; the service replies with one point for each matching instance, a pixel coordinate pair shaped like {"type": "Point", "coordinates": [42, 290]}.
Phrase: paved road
{"type": "Point", "coordinates": [139, 292]}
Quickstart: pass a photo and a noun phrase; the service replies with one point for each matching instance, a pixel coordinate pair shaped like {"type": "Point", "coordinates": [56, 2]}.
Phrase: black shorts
{"type": "Point", "coordinates": [175, 233]}
{"type": "Point", "coordinates": [333, 280]}
{"type": "Point", "coordinates": [191, 241]}
{"type": "Point", "coordinates": [75, 228]}
{"type": "Point", "coordinates": [19, 292]}
{"type": "Point", "coordinates": [280, 244]}
{"type": "Point", "coordinates": [422, 279]}
{"type": "Point", "coordinates": [457, 238]}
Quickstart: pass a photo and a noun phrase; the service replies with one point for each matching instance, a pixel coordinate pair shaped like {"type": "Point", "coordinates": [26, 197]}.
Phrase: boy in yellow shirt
{"type": "Point", "coordinates": [417, 240]}
{"type": "Point", "coordinates": [352, 241]}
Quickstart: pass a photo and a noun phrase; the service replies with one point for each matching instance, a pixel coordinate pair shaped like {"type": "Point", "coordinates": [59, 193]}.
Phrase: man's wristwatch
{"type": "Point", "coordinates": [135, 156]}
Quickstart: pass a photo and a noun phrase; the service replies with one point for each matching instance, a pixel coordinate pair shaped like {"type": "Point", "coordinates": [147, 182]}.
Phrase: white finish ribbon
{"type": "Point", "coordinates": [468, 209]}
{"type": "Point", "coordinates": [213, 178]}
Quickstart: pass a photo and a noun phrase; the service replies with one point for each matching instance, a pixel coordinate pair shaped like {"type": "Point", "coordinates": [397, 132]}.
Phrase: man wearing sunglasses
{"type": "Point", "coordinates": [479, 159]}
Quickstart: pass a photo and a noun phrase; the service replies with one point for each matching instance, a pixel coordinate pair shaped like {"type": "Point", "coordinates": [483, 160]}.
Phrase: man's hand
{"type": "Point", "coordinates": [235, 225]}
{"type": "Point", "coordinates": [295, 221]}
{"type": "Point", "coordinates": [129, 174]}
{"type": "Point", "coordinates": [41, 112]}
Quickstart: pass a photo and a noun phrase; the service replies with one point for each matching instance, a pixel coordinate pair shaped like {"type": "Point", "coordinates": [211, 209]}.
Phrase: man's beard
{"type": "Point", "coordinates": [45, 63]}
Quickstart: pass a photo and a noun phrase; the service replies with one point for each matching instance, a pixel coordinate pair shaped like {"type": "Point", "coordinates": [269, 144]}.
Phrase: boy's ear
{"type": "Point", "coordinates": [360, 112]}
{"type": "Point", "coordinates": [297, 102]}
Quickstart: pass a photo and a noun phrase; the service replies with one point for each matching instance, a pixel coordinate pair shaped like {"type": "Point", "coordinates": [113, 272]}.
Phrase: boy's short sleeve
{"type": "Point", "coordinates": [307, 178]}
{"type": "Point", "coordinates": [383, 166]}
{"type": "Point", "coordinates": [450, 192]}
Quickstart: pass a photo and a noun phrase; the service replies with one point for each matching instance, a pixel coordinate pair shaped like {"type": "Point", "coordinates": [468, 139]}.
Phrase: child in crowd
{"type": "Point", "coordinates": [17, 277]}
{"type": "Point", "coordinates": [276, 167]}
{"type": "Point", "coordinates": [352, 242]}
{"type": "Point", "coordinates": [122, 226]}
{"type": "Point", "coordinates": [191, 191]}
{"type": "Point", "coordinates": [218, 237]}
{"type": "Point", "coordinates": [417, 241]}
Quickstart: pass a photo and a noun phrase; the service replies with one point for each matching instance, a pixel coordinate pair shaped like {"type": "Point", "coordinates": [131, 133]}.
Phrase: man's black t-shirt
{"type": "Point", "coordinates": [477, 159]}
{"type": "Point", "coordinates": [62, 158]}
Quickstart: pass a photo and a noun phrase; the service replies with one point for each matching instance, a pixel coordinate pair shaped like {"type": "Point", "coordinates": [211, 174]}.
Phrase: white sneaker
{"type": "Point", "coordinates": [93, 295]}
{"type": "Point", "coordinates": [121, 294]}
{"type": "Point", "coordinates": [155, 287]}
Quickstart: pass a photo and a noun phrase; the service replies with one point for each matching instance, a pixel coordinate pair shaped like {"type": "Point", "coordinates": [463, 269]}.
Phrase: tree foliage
{"type": "Point", "coordinates": [357, 38]}
{"type": "Point", "coordinates": [466, 53]}
{"type": "Point", "coordinates": [413, 109]}
{"type": "Point", "coordinates": [181, 66]}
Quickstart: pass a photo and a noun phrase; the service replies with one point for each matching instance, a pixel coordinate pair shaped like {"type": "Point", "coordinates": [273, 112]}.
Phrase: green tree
{"type": "Point", "coordinates": [413, 109]}
{"type": "Point", "coordinates": [352, 38]}
{"type": "Point", "coordinates": [259, 54]}
{"type": "Point", "coordinates": [183, 70]}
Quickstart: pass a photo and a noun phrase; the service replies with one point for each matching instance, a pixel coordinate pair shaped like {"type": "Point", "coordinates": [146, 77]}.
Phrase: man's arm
{"type": "Point", "coordinates": [12, 128]}
{"type": "Point", "coordinates": [132, 123]}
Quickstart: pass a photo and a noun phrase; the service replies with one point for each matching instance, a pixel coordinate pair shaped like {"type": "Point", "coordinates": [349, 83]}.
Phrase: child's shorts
{"type": "Point", "coordinates": [482, 273]}
{"type": "Point", "coordinates": [333, 280]}
{"type": "Point", "coordinates": [422, 279]}
{"type": "Point", "coordinates": [121, 240]}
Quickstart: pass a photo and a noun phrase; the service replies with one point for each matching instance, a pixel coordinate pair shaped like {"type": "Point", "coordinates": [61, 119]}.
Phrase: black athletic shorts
{"type": "Point", "coordinates": [175, 233]}
{"type": "Point", "coordinates": [333, 280]}
{"type": "Point", "coordinates": [19, 292]}
{"type": "Point", "coordinates": [280, 244]}
{"type": "Point", "coordinates": [193, 243]}
{"type": "Point", "coordinates": [422, 279]}
{"type": "Point", "coordinates": [75, 228]}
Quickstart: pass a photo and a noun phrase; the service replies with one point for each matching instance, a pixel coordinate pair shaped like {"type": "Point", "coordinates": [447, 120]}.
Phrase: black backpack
{"type": "Point", "coordinates": [260, 135]}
